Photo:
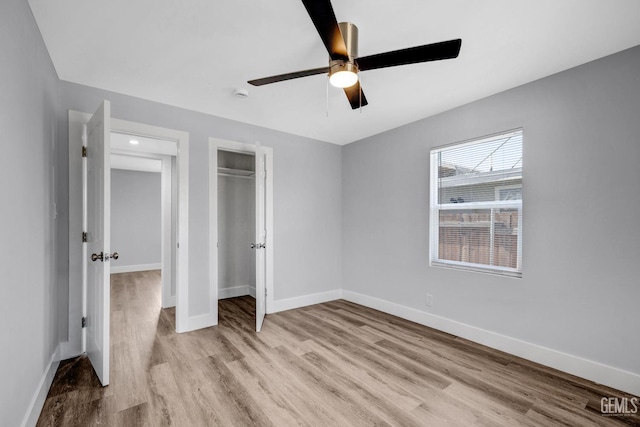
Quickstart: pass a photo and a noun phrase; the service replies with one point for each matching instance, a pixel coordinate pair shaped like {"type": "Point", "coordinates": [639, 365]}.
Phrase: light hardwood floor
{"type": "Point", "coordinates": [335, 364]}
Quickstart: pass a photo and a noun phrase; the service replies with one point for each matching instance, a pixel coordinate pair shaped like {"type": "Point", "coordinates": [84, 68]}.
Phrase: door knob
{"type": "Point", "coordinates": [114, 255]}
{"type": "Point", "coordinates": [253, 246]}
{"type": "Point", "coordinates": [261, 246]}
{"type": "Point", "coordinates": [95, 257]}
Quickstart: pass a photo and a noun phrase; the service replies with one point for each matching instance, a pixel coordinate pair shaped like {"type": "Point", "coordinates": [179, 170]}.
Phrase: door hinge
{"type": "Point", "coordinates": [84, 322]}
{"type": "Point", "coordinates": [84, 151]}
{"type": "Point", "coordinates": [84, 237]}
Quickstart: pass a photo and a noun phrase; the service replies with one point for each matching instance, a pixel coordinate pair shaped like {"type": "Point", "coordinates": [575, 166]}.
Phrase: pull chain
{"type": "Point", "coordinates": [327, 97]}
{"type": "Point", "coordinates": [360, 92]}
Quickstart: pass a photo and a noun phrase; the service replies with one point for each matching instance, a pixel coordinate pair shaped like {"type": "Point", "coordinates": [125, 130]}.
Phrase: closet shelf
{"type": "Point", "coordinates": [235, 172]}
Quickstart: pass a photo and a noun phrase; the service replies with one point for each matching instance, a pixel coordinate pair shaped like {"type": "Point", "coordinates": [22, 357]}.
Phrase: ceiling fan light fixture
{"type": "Point", "coordinates": [343, 79]}
{"type": "Point", "coordinates": [343, 74]}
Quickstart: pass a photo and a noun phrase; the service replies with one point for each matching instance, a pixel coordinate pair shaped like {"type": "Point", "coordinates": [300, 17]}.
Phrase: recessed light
{"type": "Point", "coordinates": [134, 142]}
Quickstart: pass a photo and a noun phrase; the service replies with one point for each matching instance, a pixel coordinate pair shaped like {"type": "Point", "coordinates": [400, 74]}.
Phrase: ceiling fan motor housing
{"type": "Point", "coordinates": [337, 65]}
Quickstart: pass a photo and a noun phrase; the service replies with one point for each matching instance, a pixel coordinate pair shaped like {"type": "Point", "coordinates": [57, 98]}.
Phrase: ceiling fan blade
{"type": "Point", "coordinates": [323, 17]}
{"type": "Point", "coordinates": [288, 76]}
{"type": "Point", "coordinates": [356, 96]}
{"type": "Point", "coordinates": [430, 52]}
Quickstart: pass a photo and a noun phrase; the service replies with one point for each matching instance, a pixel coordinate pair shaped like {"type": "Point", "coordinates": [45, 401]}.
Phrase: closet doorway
{"type": "Point", "coordinates": [241, 223]}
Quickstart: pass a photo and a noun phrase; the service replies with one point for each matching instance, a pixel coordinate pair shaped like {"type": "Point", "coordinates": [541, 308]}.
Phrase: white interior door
{"type": "Point", "coordinates": [261, 237]}
{"type": "Point", "coordinates": [98, 201]}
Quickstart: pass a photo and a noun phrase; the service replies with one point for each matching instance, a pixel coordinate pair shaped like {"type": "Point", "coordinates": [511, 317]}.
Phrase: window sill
{"type": "Point", "coordinates": [452, 265]}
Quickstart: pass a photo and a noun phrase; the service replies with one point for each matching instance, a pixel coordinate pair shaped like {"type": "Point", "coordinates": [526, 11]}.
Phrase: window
{"type": "Point", "coordinates": [476, 205]}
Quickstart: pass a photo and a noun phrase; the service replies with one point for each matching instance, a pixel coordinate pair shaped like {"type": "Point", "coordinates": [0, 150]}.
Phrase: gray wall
{"type": "Point", "coordinates": [579, 292]}
{"type": "Point", "coordinates": [135, 217]}
{"type": "Point", "coordinates": [307, 194]}
{"type": "Point", "coordinates": [28, 128]}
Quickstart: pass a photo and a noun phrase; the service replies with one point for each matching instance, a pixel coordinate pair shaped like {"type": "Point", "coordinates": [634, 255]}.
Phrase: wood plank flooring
{"type": "Point", "coordinates": [336, 364]}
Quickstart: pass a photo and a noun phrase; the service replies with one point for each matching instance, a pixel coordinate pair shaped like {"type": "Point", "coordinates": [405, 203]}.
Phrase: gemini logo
{"type": "Point", "coordinates": [619, 407]}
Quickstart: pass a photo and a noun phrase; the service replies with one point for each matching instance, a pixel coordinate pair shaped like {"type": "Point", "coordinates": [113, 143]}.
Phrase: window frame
{"type": "Point", "coordinates": [435, 208]}
{"type": "Point", "coordinates": [499, 188]}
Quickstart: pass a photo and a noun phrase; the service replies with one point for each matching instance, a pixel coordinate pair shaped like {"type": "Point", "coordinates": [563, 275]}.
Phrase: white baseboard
{"type": "Point", "coordinates": [252, 292]}
{"type": "Point", "coordinates": [575, 365]}
{"type": "Point", "coordinates": [305, 300]}
{"type": "Point", "coordinates": [134, 268]}
{"type": "Point", "coordinates": [236, 291]}
{"type": "Point", "coordinates": [69, 350]}
{"type": "Point", "coordinates": [171, 302]}
{"type": "Point", "coordinates": [37, 402]}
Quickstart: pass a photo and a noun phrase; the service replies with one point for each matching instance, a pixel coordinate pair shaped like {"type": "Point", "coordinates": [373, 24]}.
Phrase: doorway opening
{"type": "Point", "coordinates": [138, 273]}
{"type": "Point", "coordinates": [241, 224]}
{"type": "Point", "coordinates": [236, 226]}
{"type": "Point", "coordinates": [145, 212]}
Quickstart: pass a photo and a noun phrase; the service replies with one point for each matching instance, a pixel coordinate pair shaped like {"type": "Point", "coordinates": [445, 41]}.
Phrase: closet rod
{"type": "Point", "coordinates": [236, 176]}
{"type": "Point", "coordinates": [235, 172]}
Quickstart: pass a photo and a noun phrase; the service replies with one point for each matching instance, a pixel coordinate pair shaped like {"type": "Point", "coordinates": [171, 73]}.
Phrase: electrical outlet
{"type": "Point", "coordinates": [429, 300]}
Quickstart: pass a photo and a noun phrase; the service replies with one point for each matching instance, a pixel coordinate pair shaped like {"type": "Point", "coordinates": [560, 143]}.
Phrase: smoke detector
{"type": "Point", "coordinates": [241, 93]}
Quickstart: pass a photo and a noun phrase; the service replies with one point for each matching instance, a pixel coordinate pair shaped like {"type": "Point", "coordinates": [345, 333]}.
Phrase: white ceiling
{"type": "Point", "coordinates": [194, 53]}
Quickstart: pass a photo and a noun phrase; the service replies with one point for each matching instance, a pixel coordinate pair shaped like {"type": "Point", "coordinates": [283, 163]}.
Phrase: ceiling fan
{"type": "Point", "coordinates": [341, 41]}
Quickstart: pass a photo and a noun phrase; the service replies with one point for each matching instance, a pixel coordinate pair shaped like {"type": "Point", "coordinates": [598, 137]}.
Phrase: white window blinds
{"type": "Point", "coordinates": [476, 204]}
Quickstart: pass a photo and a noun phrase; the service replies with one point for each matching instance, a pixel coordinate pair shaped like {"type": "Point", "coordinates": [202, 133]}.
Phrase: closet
{"type": "Point", "coordinates": [236, 224]}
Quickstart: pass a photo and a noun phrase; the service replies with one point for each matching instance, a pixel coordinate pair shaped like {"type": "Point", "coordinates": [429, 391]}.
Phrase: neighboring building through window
{"type": "Point", "coordinates": [476, 205]}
